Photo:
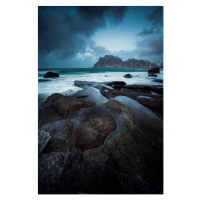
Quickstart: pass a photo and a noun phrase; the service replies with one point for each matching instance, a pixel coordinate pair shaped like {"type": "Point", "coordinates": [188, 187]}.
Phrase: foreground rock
{"type": "Point", "coordinates": [92, 127]}
{"type": "Point", "coordinates": [99, 146]}
{"type": "Point", "coordinates": [52, 127]}
{"type": "Point", "coordinates": [156, 105]}
{"type": "Point", "coordinates": [139, 88]}
{"type": "Point", "coordinates": [43, 139]}
{"type": "Point", "coordinates": [58, 107]}
{"type": "Point", "coordinates": [51, 75]}
{"type": "Point", "coordinates": [157, 88]}
{"type": "Point", "coordinates": [148, 95]}
{"type": "Point", "coordinates": [50, 169]}
{"type": "Point", "coordinates": [134, 149]}
{"type": "Point", "coordinates": [110, 93]}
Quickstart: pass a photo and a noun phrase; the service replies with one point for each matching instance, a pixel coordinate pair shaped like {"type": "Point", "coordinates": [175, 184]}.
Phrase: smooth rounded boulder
{"type": "Point", "coordinates": [127, 76]}
{"type": "Point", "coordinates": [51, 75]}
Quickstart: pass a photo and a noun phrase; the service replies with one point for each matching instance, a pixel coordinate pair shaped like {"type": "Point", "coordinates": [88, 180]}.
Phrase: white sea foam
{"type": "Point", "coordinates": [66, 81]}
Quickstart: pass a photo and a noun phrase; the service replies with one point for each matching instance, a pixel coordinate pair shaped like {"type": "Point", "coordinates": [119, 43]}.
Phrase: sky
{"type": "Point", "coordinates": [75, 37]}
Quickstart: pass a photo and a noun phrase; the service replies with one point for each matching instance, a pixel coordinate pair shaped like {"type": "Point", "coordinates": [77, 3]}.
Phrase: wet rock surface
{"type": "Point", "coordinates": [156, 105]}
{"type": "Point", "coordinates": [52, 127]}
{"type": "Point", "coordinates": [153, 95]}
{"type": "Point", "coordinates": [43, 139]}
{"type": "Point", "coordinates": [111, 93]}
{"type": "Point", "coordinates": [135, 92]}
{"type": "Point", "coordinates": [104, 139]}
{"type": "Point", "coordinates": [92, 127]}
{"type": "Point", "coordinates": [138, 88]}
{"type": "Point", "coordinates": [90, 94]}
{"type": "Point", "coordinates": [114, 83]}
{"type": "Point", "coordinates": [158, 80]}
{"type": "Point", "coordinates": [130, 139]}
{"type": "Point", "coordinates": [58, 107]}
{"type": "Point", "coordinates": [50, 169]}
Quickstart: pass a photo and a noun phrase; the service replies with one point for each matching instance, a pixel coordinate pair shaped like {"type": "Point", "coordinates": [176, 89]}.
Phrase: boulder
{"type": "Point", "coordinates": [154, 70]}
{"type": "Point", "coordinates": [158, 80]}
{"type": "Point", "coordinates": [127, 76]}
{"type": "Point", "coordinates": [152, 74]}
{"type": "Point", "coordinates": [114, 83]}
{"type": "Point", "coordinates": [51, 75]}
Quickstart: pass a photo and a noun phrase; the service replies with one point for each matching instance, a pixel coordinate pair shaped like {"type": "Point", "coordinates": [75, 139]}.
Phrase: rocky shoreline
{"type": "Point", "coordinates": [104, 139]}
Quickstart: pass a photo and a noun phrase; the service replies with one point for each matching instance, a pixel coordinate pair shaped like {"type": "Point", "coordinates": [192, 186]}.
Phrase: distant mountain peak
{"type": "Point", "coordinates": [110, 61]}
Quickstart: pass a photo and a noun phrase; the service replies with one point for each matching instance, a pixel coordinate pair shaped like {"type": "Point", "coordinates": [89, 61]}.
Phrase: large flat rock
{"type": "Point", "coordinates": [58, 107]}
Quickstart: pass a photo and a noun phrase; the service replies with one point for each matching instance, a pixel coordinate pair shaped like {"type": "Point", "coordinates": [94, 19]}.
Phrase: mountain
{"type": "Point", "coordinates": [161, 65]}
{"type": "Point", "coordinates": [110, 61]}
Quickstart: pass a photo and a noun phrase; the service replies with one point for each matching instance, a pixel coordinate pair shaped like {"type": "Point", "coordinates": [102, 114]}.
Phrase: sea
{"type": "Point", "coordinates": [65, 82]}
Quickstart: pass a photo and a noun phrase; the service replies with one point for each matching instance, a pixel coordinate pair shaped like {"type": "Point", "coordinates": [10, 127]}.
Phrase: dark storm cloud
{"type": "Point", "coordinates": [64, 31]}
{"type": "Point", "coordinates": [146, 32]}
{"type": "Point", "coordinates": [151, 46]}
{"type": "Point", "coordinates": [156, 18]}
{"type": "Point", "coordinates": [99, 13]}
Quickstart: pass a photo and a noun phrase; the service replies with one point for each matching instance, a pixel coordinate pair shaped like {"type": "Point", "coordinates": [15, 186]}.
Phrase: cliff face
{"type": "Point", "coordinates": [109, 61]}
